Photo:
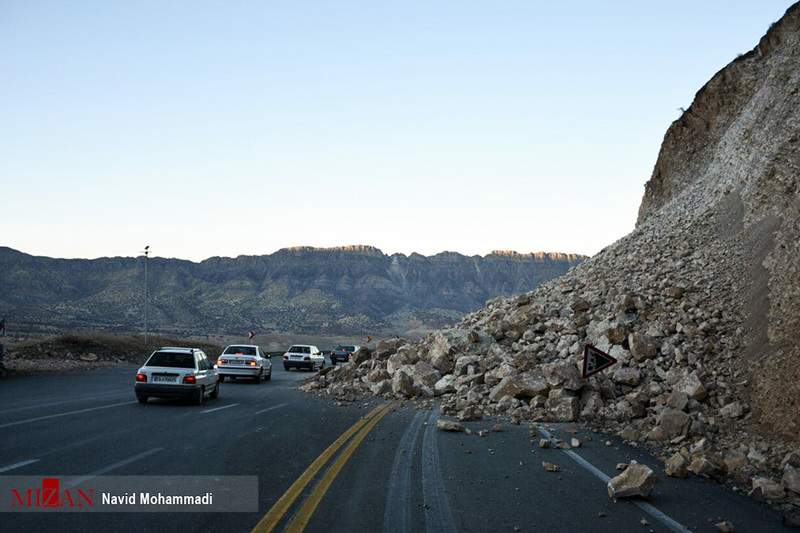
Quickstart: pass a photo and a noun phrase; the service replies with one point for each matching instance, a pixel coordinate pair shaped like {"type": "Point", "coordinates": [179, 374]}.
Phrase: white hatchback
{"type": "Point", "coordinates": [303, 356]}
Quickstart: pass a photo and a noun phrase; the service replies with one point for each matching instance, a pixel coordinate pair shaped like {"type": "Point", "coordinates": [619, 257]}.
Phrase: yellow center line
{"type": "Point", "coordinates": [275, 514]}
{"type": "Point", "coordinates": [303, 516]}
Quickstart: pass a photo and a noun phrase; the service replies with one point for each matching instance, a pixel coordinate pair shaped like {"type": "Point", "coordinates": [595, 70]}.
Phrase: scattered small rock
{"type": "Point", "coordinates": [676, 466]}
{"type": "Point", "coordinates": [725, 527]}
{"type": "Point", "coordinates": [766, 490]}
{"type": "Point", "coordinates": [791, 518]}
{"type": "Point", "coordinates": [550, 467]}
{"type": "Point", "coordinates": [449, 425]}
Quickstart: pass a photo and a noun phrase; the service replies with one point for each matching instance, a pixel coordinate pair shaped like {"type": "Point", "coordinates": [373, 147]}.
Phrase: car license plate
{"type": "Point", "coordinates": [164, 379]}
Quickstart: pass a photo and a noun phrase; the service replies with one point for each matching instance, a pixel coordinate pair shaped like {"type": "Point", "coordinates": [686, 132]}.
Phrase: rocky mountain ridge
{"type": "Point", "coordinates": [342, 290]}
{"type": "Point", "coordinates": [700, 304]}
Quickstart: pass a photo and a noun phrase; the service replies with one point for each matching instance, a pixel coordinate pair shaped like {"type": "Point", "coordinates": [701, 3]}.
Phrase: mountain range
{"type": "Point", "coordinates": [342, 290]}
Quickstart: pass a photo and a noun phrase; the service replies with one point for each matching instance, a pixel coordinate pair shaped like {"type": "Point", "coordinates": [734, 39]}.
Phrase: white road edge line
{"type": "Point", "coordinates": [114, 466]}
{"type": "Point", "coordinates": [271, 408]}
{"type": "Point", "coordinates": [218, 408]}
{"type": "Point", "coordinates": [644, 506]}
{"type": "Point", "coordinates": [17, 465]}
{"type": "Point", "coordinates": [48, 417]}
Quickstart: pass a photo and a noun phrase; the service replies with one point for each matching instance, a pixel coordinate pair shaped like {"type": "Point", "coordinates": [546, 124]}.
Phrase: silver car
{"type": "Point", "coordinates": [177, 373]}
{"type": "Point", "coordinates": [244, 361]}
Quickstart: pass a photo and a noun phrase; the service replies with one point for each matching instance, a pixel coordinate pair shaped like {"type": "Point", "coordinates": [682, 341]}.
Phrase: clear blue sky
{"type": "Point", "coordinates": [241, 127]}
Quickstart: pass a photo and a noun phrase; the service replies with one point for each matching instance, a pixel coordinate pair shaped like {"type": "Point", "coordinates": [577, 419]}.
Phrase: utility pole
{"type": "Point", "coordinates": [146, 253]}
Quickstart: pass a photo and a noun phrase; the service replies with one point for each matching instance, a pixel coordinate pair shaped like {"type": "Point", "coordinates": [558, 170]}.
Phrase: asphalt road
{"type": "Point", "coordinates": [394, 473]}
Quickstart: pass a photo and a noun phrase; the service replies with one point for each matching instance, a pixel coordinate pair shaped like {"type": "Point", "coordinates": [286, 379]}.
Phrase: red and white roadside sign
{"type": "Point", "coordinates": [595, 361]}
{"type": "Point", "coordinates": [251, 334]}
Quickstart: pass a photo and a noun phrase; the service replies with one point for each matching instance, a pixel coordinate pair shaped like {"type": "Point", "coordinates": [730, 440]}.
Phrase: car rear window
{"type": "Point", "coordinates": [300, 349]}
{"type": "Point", "coordinates": [244, 350]}
{"type": "Point", "coordinates": [349, 348]}
{"type": "Point", "coordinates": [171, 359]}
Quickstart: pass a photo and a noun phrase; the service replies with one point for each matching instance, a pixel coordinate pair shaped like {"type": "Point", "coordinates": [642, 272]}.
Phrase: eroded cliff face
{"type": "Point", "coordinates": [739, 124]}
{"type": "Point", "coordinates": [736, 150]}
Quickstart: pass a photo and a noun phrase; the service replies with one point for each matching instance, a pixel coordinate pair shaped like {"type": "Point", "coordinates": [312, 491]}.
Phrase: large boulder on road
{"type": "Point", "coordinates": [403, 384]}
{"type": "Point", "coordinates": [636, 480]}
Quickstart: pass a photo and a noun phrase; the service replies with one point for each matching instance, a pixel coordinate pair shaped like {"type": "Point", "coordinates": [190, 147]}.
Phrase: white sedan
{"type": "Point", "coordinates": [244, 361]}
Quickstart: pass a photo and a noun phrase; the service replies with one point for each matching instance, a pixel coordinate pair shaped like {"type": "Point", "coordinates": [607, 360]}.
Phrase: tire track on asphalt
{"type": "Point", "coordinates": [397, 517]}
{"type": "Point", "coordinates": [438, 515]}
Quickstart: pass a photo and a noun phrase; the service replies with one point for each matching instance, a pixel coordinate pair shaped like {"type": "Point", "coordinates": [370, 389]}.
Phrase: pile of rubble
{"type": "Point", "coordinates": [698, 304]}
{"type": "Point", "coordinates": [650, 302]}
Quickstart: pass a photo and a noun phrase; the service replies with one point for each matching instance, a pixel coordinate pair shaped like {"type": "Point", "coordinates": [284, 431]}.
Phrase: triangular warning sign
{"type": "Point", "coordinates": [594, 361]}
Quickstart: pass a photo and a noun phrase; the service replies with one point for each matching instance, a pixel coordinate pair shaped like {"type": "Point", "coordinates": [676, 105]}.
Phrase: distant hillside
{"type": "Point", "coordinates": [354, 289]}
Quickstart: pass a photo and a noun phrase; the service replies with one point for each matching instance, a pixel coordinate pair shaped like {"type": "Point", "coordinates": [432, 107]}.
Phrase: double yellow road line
{"type": "Point", "coordinates": [301, 519]}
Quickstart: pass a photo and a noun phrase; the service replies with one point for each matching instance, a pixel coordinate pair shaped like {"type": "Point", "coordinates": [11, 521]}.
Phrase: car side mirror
{"type": "Point", "coordinates": [215, 367]}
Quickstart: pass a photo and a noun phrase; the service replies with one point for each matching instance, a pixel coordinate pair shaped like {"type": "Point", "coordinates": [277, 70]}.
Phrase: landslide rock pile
{"type": "Point", "coordinates": [700, 303]}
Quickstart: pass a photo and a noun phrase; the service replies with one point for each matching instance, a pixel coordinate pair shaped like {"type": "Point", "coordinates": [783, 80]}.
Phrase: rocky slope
{"type": "Point", "coordinates": [347, 290]}
{"type": "Point", "coordinates": [700, 303]}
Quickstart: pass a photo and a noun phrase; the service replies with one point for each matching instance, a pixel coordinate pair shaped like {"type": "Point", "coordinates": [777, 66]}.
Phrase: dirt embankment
{"type": "Point", "coordinates": [86, 351]}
